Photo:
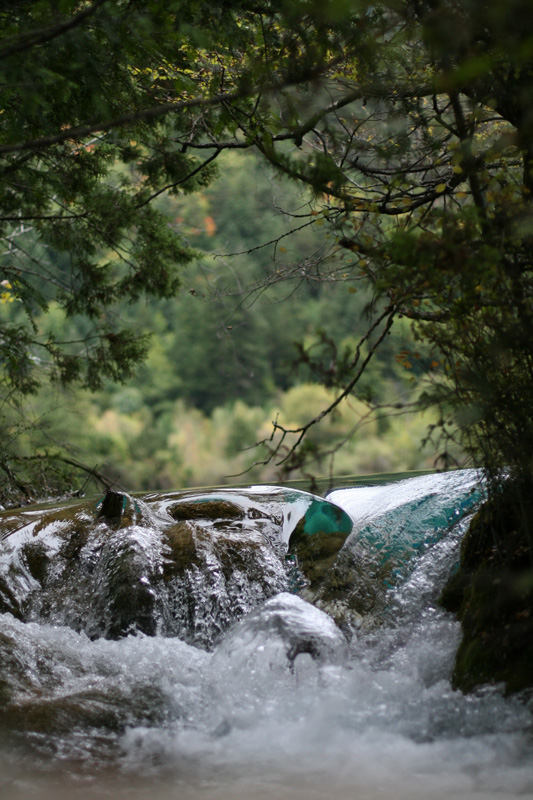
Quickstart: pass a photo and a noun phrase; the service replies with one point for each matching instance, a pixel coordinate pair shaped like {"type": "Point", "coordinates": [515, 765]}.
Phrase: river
{"type": "Point", "coordinates": [368, 717]}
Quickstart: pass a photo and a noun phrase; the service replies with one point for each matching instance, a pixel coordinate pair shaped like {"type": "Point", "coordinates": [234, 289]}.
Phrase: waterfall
{"type": "Point", "coordinates": [248, 688]}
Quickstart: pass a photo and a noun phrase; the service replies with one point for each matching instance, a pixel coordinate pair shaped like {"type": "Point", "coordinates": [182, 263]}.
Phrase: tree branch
{"type": "Point", "coordinates": [388, 316]}
{"type": "Point", "coordinates": [181, 180]}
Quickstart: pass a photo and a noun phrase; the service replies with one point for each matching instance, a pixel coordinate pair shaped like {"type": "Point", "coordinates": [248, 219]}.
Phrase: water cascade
{"type": "Point", "coordinates": [255, 642]}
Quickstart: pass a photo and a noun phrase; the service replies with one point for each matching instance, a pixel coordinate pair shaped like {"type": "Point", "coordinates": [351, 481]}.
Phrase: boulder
{"type": "Point", "coordinates": [492, 594]}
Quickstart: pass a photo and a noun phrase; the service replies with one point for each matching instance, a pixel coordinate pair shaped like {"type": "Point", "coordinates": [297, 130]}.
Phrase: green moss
{"type": "Point", "coordinates": [182, 549]}
{"type": "Point", "coordinates": [492, 593]}
{"type": "Point", "coordinates": [35, 555]}
{"type": "Point", "coordinates": [451, 597]}
{"type": "Point", "coordinates": [317, 553]}
{"type": "Point", "coordinates": [206, 509]}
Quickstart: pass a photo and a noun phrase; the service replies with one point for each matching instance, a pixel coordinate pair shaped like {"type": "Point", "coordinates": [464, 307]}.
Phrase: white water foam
{"type": "Point", "coordinates": [153, 717]}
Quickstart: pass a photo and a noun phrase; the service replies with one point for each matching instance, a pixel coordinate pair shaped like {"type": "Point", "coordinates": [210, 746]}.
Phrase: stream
{"type": "Point", "coordinates": [231, 666]}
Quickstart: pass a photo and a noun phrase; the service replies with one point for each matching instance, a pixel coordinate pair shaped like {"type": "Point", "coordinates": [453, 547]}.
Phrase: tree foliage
{"type": "Point", "coordinates": [410, 122]}
{"type": "Point", "coordinates": [418, 147]}
{"type": "Point", "coordinates": [102, 104]}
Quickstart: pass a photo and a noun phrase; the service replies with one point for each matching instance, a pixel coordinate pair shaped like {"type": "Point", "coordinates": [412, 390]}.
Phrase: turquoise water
{"type": "Point", "coordinates": [395, 522]}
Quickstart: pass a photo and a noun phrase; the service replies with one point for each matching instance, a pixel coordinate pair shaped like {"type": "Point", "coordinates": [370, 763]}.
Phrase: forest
{"type": "Point", "coordinates": [223, 361]}
{"type": "Point", "coordinates": [301, 225]}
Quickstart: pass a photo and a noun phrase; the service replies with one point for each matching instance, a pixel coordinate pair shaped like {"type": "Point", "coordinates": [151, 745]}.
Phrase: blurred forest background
{"type": "Point", "coordinates": [244, 343]}
{"type": "Point", "coordinates": [305, 225]}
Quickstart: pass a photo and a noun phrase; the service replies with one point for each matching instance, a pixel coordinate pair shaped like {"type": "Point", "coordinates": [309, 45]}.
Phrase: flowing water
{"type": "Point", "coordinates": [282, 703]}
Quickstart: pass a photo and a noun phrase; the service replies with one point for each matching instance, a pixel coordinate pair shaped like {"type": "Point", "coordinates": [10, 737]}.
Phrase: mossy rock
{"type": "Point", "coordinates": [497, 642]}
{"type": "Point", "coordinates": [179, 564]}
{"type": "Point", "coordinates": [182, 549]}
{"type": "Point", "coordinates": [492, 593]}
{"type": "Point", "coordinates": [347, 585]}
{"type": "Point", "coordinates": [209, 509]}
{"type": "Point", "coordinates": [316, 554]}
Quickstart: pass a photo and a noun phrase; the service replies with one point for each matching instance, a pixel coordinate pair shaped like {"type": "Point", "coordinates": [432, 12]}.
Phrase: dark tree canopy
{"type": "Point", "coordinates": [411, 122]}
{"type": "Point", "coordinates": [419, 147]}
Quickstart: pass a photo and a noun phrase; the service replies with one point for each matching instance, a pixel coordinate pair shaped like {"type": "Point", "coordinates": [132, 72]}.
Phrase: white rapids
{"type": "Point", "coordinates": [284, 707]}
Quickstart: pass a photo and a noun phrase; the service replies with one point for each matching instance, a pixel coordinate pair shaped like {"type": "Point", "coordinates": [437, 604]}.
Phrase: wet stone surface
{"type": "Point", "coordinates": [174, 565]}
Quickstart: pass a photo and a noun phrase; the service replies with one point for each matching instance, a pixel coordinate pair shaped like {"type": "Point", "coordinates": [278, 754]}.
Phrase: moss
{"type": "Point", "coordinates": [233, 550]}
{"type": "Point", "coordinates": [316, 554]}
{"type": "Point", "coordinates": [206, 509]}
{"type": "Point", "coordinates": [241, 555]}
{"type": "Point", "coordinates": [35, 555]}
{"type": "Point", "coordinates": [492, 593]}
{"type": "Point", "coordinates": [182, 549]}
{"type": "Point", "coordinates": [451, 597]}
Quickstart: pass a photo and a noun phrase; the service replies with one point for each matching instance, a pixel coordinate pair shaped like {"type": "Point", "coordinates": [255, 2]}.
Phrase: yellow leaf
{"type": "Point", "coordinates": [440, 188]}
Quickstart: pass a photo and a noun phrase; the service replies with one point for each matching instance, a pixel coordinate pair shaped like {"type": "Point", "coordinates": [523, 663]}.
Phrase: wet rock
{"type": "Point", "coordinates": [492, 593]}
{"type": "Point", "coordinates": [112, 506]}
{"type": "Point", "coordinates": [206, 508]}
{"type": "Point", "coordinates": [55, 682]}
{"type": "Point", "coordinates": [284, 624]}
{"type": "Point", "coordinates": [182, 564]}
{"type": "Point", "coordinates": [215, 575]}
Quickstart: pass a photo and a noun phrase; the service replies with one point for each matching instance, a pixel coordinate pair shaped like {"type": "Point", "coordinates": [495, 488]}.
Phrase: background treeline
{"type": "Point", "coordinates": [249, 339]}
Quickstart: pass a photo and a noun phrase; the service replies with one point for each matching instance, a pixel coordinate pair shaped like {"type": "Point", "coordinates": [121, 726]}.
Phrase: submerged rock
{"type": "Point", "coordinates": [56, 682]}
{"type": "Point", "coordinates": [284, 624]}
